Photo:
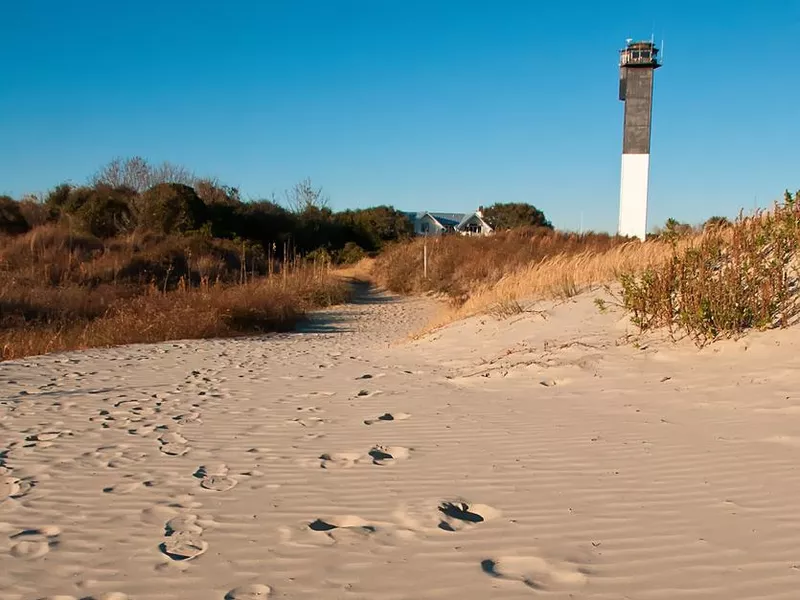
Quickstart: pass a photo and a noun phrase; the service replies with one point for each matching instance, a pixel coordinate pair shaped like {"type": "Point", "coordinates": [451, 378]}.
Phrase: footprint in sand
{"type": "Point", "coordinates": [143, 430]}
{"type": "Point", "coordinates": [12, 487]}
{"type": "Point", "coordinates": [186, 523]}
{"type": "Point", "coordinates": [400, 416]}
{"type": "Point", "coordinates": [349, 522]}
{"type": "Point", "coordinates": [549, 382]}
{"type": "Point", "coordinates": [387, 455]}
{"type": "Point", "coordinates": [536, 572]}
{"type": "Point", "coordinates": [106, 596]}
{"type": "Point", "coordinates": [218, 469]}
{"type": "Point", "coordinates": [350, 529]}
{"type": "Point", "coordinates": [254, 591]}
{"type": "Point", "coordinates": [183, 538]}
{"type": "Point", "coordinates": [124, 488]}
{"type": "Point", "coordinates": [9, 487]}
{"type": "Point", "coordinates": [173, 444]}
{"type": "Point", "coordinates": [218, 483]}
{"type": "Point", "coordinates": [31, 544]}
{"type": "Point", "coordinates": [186, 418]}
{"type": "Point", "coordinates": [459, 514]}
{"type": "Point", "coordinates": [183, 546]}
{"type": "Point", "coordinates": [309, 422]}
{"type": "Point", "coordinates": [46, 436]}
{"type": "Point", "coordinates": [340, 460]}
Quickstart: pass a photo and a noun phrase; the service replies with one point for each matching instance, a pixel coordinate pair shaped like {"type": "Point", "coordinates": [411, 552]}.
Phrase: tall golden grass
{"type": "Point", "coordinates": [62, 291]}
{"type": "Point", "coordinates": [497, 274]}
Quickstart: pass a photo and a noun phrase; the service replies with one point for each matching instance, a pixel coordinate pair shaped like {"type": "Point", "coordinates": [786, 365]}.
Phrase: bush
{"type": "Point", "coordinates": [350, 254]}
{"type": "Point", "coordinates": [37, 213]}
{"type": "Point", "coordinates": [106, 212]}
{"type": "Point", "coordinates": [171, 208]}
{"type": "Point", "coordinates": [731, 280]}
{"type": "Point", "coordinates": [12, 222]}
{"type": "Point", "coordinates": [514, 214]}
{"type": "Point", "coordinates": [373, 228]}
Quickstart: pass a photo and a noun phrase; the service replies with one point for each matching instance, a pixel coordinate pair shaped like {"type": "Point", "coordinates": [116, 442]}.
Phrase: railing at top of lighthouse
{"type": "Point", "coordinates": [639, 54]}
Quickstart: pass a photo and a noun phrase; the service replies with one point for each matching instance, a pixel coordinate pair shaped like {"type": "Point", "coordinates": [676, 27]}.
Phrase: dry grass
{"type": "Point", "coordinates": [59, 291]}
{"type": "Point", "coordinates": [561, 276]}
{"type": "Point", "coordinates": [724, 282]}
{"type": "Point", "coordinates": [496, 274]}
{"type": "Point", "coordinates": [458, 265]}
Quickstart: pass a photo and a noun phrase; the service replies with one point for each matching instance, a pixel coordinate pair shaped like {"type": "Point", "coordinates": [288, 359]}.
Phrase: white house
{"type": "Point", "coordinates": [436, 223]}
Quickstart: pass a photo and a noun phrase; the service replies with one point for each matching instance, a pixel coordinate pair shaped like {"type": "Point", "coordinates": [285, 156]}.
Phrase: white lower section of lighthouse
{"type": "Point", "coordinates": [633, 195]}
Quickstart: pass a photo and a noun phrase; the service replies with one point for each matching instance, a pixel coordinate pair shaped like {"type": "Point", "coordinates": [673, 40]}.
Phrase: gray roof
{"type": "Point", "coordinates": [443, 218]}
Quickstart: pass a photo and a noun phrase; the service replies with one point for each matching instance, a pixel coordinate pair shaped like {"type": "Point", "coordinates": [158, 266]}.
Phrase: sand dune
{"type": "Point", "coordinates": [543, 455]}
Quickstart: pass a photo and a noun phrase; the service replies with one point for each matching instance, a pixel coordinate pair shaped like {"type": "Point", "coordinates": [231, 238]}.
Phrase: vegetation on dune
{"type": "Point", "coordinates": [149, 252]}
{"type": "Point", "coordinates": [459, 266]}
{"type": "Point", "coordinates": [62, 290]}
{"type": "Point", "coordinates": [732, 278]}
{"type": "Point", "coordinates": [719, 279]}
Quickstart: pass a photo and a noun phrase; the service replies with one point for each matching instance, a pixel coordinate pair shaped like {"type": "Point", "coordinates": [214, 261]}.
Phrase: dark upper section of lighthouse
{"type": "Point", "coordinates": [639, 54]}
{"type": "Point", "coordinates": [636, 55]}
{"type": "Point", "coordinates": [637, 63]}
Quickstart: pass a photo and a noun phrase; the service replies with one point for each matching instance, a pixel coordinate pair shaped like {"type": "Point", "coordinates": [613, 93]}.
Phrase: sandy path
{"type": "Point", "coordinates": [511, 459]}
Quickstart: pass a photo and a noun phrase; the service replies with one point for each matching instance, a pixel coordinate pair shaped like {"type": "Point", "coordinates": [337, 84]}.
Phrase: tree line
{"type": "Point", "coordinates": [128, 195]}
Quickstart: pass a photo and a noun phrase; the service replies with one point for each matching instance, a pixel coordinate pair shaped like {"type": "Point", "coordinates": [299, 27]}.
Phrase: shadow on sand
{"type": "Point", "coordinates": [333, 321]}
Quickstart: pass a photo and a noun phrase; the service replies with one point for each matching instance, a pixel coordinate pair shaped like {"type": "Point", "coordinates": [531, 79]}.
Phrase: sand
{"type": "Point", "coordinates": [546, 455]}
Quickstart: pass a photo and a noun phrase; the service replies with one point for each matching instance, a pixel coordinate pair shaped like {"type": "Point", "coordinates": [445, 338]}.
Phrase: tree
{"type": "Point", "coordinates": [138, 174]}
{"type": "Point", "coordinates": [12, 221]}
{"type": "Point", "coordinates": [305, 197]}
{"type": "Point", "coordinates": [373, 227]}
{"type": "Point", "coordinates": [263, 221]}
{"type": "Point", "coordinates": [212, 191]}
{"type": "Point", "coordinates": [171, 208]}
{"type": "Point", "coordinates": [515, 214]}
{"type": "Point", "coordinates": [222, 203]}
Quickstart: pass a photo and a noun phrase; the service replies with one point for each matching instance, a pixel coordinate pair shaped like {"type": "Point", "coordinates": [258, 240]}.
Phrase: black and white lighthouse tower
{"type": "Point", "coordinates": [637, 63]}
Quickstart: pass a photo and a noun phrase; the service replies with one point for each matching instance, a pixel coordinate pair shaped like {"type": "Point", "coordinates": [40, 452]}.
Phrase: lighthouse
{"type": "Point", "coordinates": [637, 64]}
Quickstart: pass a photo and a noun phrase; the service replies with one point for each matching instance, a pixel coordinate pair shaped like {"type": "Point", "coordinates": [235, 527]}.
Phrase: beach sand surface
{"type": "Point", "coordinates": [548, 455]}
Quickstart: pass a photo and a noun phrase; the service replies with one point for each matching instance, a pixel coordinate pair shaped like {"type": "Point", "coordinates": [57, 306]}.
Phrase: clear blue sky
{"type": "Point", "coordinates": [440, 105]}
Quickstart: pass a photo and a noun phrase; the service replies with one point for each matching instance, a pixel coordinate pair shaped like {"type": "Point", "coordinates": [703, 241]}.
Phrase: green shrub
{"type": "Point", "coordinates": [171, 208]}
{"type": "Point", "coordinates": [350, 254]}
{"type": "Point", "coordinates": [106, 212]}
